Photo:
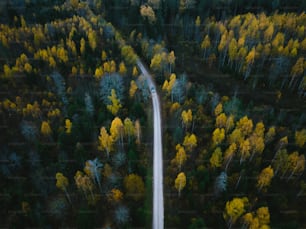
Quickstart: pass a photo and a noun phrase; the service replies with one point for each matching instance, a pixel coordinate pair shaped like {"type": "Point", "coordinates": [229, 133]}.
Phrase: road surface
{"type": "Point", "coordinates": [158, 195]}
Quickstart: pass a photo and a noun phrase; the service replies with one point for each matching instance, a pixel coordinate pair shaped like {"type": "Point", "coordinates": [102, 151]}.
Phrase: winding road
{"type": "Point", "coordinates": [158, 195]}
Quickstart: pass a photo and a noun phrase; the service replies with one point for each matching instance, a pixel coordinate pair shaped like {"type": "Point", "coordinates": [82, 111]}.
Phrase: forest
{"type": "Point", "coordinates": [76, 119]}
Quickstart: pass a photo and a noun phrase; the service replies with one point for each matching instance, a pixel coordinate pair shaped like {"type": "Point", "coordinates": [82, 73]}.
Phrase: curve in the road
{"type": "Point", "coordinates": [158, 195]}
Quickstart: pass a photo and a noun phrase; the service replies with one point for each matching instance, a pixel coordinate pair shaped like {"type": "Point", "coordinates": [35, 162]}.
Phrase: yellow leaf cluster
{"type": "Point", "coordinates": [216, 158]}
{"type": "Point", "coordinates": [186, 117]}
{"type": "Point", "coordinates": [116, 128]}
{"type": "Point", "coordinates": [115, 195]}
{"type": "Point", "coordinates": [218, 136]}
{"type": "Point", "coordinates": [235, 208]}
{"type": "Point", "coordinates": [134, 186]}
{"type": "Point", "coordinates": [300, 137]}
{"type": "Point", "coordinates": [105, 141]}
{"type": "Point", "coordinates": [146, 11]}
{"type": "Point", "coordinates": [61, 181]}
{"type": "Point", "coordinates": [180, 182]}
{"type": "Point", "coordinates": [45, 128]}
{"type": "Point", "coordinates": [68, 126]}
{"type": "Point", "coordinates": [265, 177]}
{"type": "Point", "coordinates": [115, 103]}
{"type": "Point", "coordinates": [190, 141]}
{"type": "Point", "coordinates": [133, 88]}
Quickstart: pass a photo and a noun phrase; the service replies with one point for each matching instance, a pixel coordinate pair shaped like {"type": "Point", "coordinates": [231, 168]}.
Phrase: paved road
{"type": "Point", "coordinates": [158, 195]}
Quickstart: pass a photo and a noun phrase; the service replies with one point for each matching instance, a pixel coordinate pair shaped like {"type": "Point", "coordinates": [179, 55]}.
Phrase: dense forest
{"type": "Point", "coordinates": [77, 124]}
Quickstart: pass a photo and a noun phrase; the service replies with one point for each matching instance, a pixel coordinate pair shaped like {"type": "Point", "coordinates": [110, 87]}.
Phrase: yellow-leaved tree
{"type": "Point", "coordinates": [134, 186]}
{"type": "Point", "coordinates": [259, 219]}
{"type": "Point", "coordinates": [115, 103]}
{"type": "Point", "coordinates": [216, 158]}
{"type": "Point", "coordinates": [265, 177]}
{"type": "Point", "coordinates": [129, 128]}
{"type": "Point", "coordinates": [180, 182]}
{"type": "Point", "coordinates": [68, 126]}
{"type": "Point", "coordinates": [190, 141]}
{"type": "Point", "coordinates": [62, 183]}
{"type": "Point", "coordinates": [218, 136]}
{"type": "Point", "coordinates": [186, 117]}
{"type": "Point", "coordinates": [105, 141]}
{"type": "Point", "coordinates": [115, 195]}
{"type": "Point", "coordinates": [300, 137]}
{"type": "Point", "coordinates": [45, 128]}
{"type": "Point", "coordinates": [234, 209]}
{"type": "Point", "coordinates": [133, 88]}
{"type": "Point", "coordinates": [117, 129]}
{"type": "Point", "coordinates": [180, 156]}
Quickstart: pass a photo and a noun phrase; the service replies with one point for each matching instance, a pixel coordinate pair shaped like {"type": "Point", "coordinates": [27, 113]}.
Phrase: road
{"type": "Point", "coordinates": [158, 195]}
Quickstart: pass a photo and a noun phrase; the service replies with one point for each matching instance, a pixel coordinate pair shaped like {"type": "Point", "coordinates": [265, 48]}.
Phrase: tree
{"type": "Point", "coordinates": [218, 109]}
{"type": "Point", "coordinates": [234, 209]}
{"type": "Point", "coordinates": [171, 60]}
{"type": "Point", "coordinates": [257, 144]}
{"type": "Point", "coordinates": [89, 104]}
{"type": "Point", "coordinates": [137, 131]}
{"type": "Point", "coordinates": [134, 186]}
{"type": "Point", "coordinates": [232, 50]}
{"type": "Point", "coordinates": [270, 134]}
{"type": "Point", "coordinates": [62, 183]}
{"type": "Point", "coordinates": [111, 82]}
{"type": "Point", "coordinates": [268, 33]}
{"type": "Point", "coordinates": [186, 117]}
{"type": "Point", "coordinates": [129, 128]}
{"type": "Point", "coordinates": [180, 182]}
{"type": "Point", "coordinates": [265, 177]}
{"type": "Point", "coordinates": [263, 215]}
{"type": "Point", "coordinates": [122, 68]}
{"type": "Point", "coordinates": [168, 85]}
{"type": "Point", "coordinates": [84, 183]}
{"type": "Point", "coordinates": [133, 88]}
{"type": "Point", "coordinates": [205, 45]}
{"type": "Point", "coordinates": [99, 72]}
{"type": "Point", "coordinates": [297, 70]}
{"type": "Point", "coordinates": [128, 54]}
{"type": "Point", "coordinates": [93, 169]}
{"type": "Point", "coordinates": [92, 39]}
{"type": "Point", "coordinates": [296, 164]}
{"type": "Point", "coordinates": [68, 126]}
{"type": "Point", "coordinates": [229, 154]}
{"type": "Point", "coordinates": [220, 183]}
{"type": "Point", "coordinates": [244, 150]}
{"type": "Point", "coordinates": [180, 156]}
{"type": "Point", "coordinates": [115, 103]}
{"type": "Point", "coordinates": [216, 158]}
{"type": "Point", "coordinates": [105, 141]}
{"type": "Point", "coordinates": [300, 138]}
{"type": "Point", "coordinates": [221, 121]}
{"type": "Point", "coordinates": [218, 136]}
{"type": "Point", "coordinates": [259, 219]}
{"type": "Point", "coordinates": [190, 141]}
{"type": "Point", "coordinates": [236, 137]}
{"type": "Point", "coordinates": [45, 128]}
{"type": "Point", "coordinates": [259, 129]}
{"type": "Point", "coordinates": [115, 195]}
{"type": "Point", "coordinates": [229, 123]}
{"type": "Point", "coordinates": [245, 125]}
{"type": "Point", "coordinates": [117, 129]}
{"type": "Point", "coordinates": [148, 13]}
{"type": "Point", "coordinates": [135, 71]}
{"type": "Point", "coordinates": [157, 62]}
{"type": "Point", "coordinates": [249, 59]}
{"type": "Point", "coordinates": [121, 215]}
